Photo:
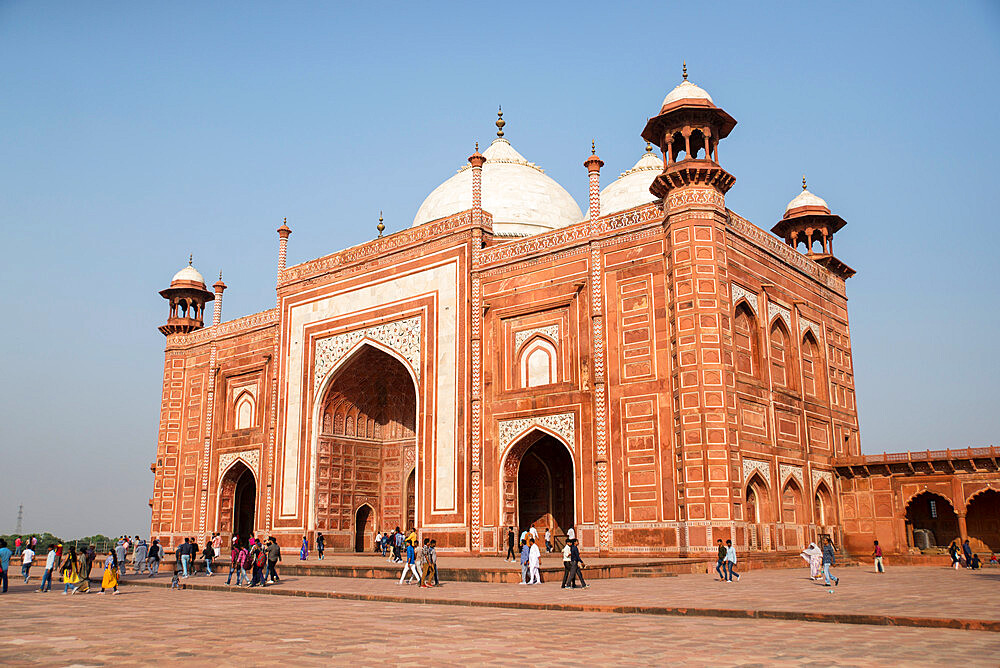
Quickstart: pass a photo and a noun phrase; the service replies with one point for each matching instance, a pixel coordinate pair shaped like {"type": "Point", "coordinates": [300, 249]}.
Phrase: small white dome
{"type": "Point", "coordinates": [188, 273]}
{"type": "Point", "coordinates": [518, 194]}
{"type": "Point", "coordinates": [686, 91]}
{"type": "Point", "coordinates": [806, 198]}
{"type": "Point", "coordinates": [631, 188]}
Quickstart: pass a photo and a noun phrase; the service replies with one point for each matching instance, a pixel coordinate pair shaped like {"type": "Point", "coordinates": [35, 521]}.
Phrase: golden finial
{"type": "Point", "coordinates": [803, 181]}
{"type": "Point", "coordinates": [190, 259]}
{"type": "Point", "coordinates": [649, 147]}
{"type": "Point", "coordinates": [284, 220]}
{"type": "Point", "coordinates": [477, 147]}
{"type": "Point", "coordinates": [220, 274]}
{"type": "Point", "coordinates": [380, 227]}
{"type": "Point", "coordinates": [593, 148]}
{"type": "Point", "coordinates": [500, 122]}
{"type": "Point", "coordinates": [685, 71]}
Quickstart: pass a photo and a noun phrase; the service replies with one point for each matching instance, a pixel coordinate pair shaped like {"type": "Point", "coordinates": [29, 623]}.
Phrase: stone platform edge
{"type": "Point", "coordinates": [992, 626]}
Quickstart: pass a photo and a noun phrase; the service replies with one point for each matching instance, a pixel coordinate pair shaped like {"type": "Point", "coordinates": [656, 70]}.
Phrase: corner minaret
{"type": "Point", "coordinates": [593, 165]}
{"type": "Point", "coordinates": [808, 220]}
{"type": "Point", "coordinates": [187, 296]}
{"type": "Point", "coordinates": [693, 187]}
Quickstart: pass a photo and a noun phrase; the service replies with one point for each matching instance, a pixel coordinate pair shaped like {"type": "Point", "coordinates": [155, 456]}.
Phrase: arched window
{"type": "Point", "coordinates": [538, 363]}
{"type": "Point", "coordinates": [780, 355]}
{"type": "Point", "coordinates": [812, 367]}
{"type": "Point", "coordinates": [349, 430]}
{"type": "Point", "coordinates": [244, 411]}
{"type": "Point", "coordinates": [745, 340]}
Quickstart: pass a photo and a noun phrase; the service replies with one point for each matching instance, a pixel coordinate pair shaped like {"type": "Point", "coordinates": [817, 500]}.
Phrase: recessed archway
{"type": "Point", "coordinates": [364, 528]}
{"type": "Point", "coordinates": [238, 502]}
{"type": "Point", "coordinates": [982, 520]}
{"type": "Point", "coordinates": [366, 422]}
{"type": "Point", "coordinates": [539, 484]}
{"type": "Point", "coordinates": [931, 513]}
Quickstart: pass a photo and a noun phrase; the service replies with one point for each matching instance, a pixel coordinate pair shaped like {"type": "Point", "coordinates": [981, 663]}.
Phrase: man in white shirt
{"type": "Point", "coordinates": [27, 556]}
{"type": "Point", "coordinates": [534, 558]}
{"type": "Point", "coordinates": [50, 563]}
{"type": "Point", "coordinates": [534, 533]}
{"type": "Point", "coordinates": [570, 535]}
{"type": "Point", "coordinates": [548, 539]}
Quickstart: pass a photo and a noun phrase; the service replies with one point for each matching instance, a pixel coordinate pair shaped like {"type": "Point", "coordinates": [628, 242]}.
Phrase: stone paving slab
{"type": "Point", "coordinates": [144, 626]}
{"type": "Point", "coordinates": [904, 596]}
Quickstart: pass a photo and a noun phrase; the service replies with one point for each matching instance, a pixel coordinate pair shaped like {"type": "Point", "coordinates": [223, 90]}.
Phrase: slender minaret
{"type": "Point", "coordinates": [283, 233]}
{"type": "Point", "coordinates": [593, 165]}
{"type": "Point", "coordinates": [477, 160]}
{"type": "Point", "coordinates": [217, 310]}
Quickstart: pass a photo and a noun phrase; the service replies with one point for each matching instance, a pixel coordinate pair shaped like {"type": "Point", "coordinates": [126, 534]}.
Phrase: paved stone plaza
{"type": "Point", "coordinates": [153, 624]}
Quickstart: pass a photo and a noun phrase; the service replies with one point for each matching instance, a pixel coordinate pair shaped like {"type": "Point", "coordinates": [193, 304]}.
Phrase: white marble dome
{"type": "Point", "coordinates": [686, 91]}
{"type": "Point", "coordinates": [188, 273]}
{"type": "Point", "coordinates": [631, 188]}
{"type": "Point", "coordinates": [518, 194]}
{"type": "Point", "coordinates": [806, 198]}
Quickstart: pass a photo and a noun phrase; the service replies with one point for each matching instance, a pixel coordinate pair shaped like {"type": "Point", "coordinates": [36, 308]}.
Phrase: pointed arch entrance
{"type": "Point", "coordinates": [364, 528]}
{"type": "Point", "coordinates": [931, 521]}
{"type": "Point", "coordinates": [238, 501]}
{"type": "Point", "coordinates": [982, 518]}
{"type": "Point", "coordinates": [758, 513]}
{"type": "Point", "coordinates": [539, 484]}
{"type": "Point", "coordinates": [366, 424]}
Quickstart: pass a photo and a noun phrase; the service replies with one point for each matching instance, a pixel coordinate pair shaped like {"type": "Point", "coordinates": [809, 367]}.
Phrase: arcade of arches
{"type": "Point", "coordinates": [365, 452]}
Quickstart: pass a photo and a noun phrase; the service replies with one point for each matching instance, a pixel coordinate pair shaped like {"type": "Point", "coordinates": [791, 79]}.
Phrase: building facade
{"type": "Point", "coordinates": [657, 373]}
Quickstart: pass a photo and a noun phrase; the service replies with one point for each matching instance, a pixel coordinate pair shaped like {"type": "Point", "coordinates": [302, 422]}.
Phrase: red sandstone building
{"type": "Point", "coordinates": [658, 373]}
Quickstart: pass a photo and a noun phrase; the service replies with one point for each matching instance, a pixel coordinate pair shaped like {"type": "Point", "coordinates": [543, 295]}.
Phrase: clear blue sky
{"type": "Point", "coordinates": [132, 134]}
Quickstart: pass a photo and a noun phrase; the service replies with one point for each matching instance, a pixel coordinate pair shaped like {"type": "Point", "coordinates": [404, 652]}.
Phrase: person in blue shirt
{"type": "Point", "coordinates": [410, 566]}
{"type": "Point", "coordinates": [5, 555]}
{"type": "Point", "coordinates": [525, 557]}
{"type": "Point", "coordinates": [829, 560]}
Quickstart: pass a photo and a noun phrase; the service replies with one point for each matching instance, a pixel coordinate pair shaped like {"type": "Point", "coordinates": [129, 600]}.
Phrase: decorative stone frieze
{"type": "Point", "coordinates": [249, 457]}
{"type": "Point", "coordinates": [402, 336]}
{"type": "Point", "coordinates": [563, 424]}
{"type": "Point", "coordinates": [551, 331]}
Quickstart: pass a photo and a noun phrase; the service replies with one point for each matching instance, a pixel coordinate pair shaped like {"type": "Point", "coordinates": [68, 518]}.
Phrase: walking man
{"type": "Point", "coordinates": [548, 539]}
{"type": "Point", "coordinates": [967, 551]}
{"type": "Point", "coordinates": [273, 557]}
{"type": "Point", "coordinates": [720, 566]}
{"type": "Point", "coordinates": [829, 560]}
{"type": "Point", "coordinates": [5, 555]}
{"type": "Point", "coordinates": [183, 553]}
{"type": "Point", "coordinates": [50, 563]}
{"type": "Point", "coordinates": [567, 552]}
{"type": "Point", "coordinates": [511, 540]}
{"type": "Point", "coordinates": [208, 553]}
{"type": "Point", "coordinates": [27, 556]}
{"type": "Point", "coordinates": [410, 566]}
{"type": "Point", "coordinates": [576, 565]}
{"type": "Point", "coordinates": [525, 558]}
{"type": "Point", "coordinates": [877, 557]}
{"type": "Point", "coordinates": [155, 555]}
{"type": "Point", "coordinates": [139, 556]}
{"type": "Point", "coordinates": [534, 560]}
{"type": "Point", "coordinates": [731, 561]}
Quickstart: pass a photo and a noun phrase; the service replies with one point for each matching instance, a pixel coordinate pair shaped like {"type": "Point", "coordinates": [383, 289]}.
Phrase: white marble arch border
{"type": "Point", "coordinates": [533, 424]}
{"type": "Point", "coordinates": [322, 386]}
{"type": "Point", "coordinates": [227, 460]}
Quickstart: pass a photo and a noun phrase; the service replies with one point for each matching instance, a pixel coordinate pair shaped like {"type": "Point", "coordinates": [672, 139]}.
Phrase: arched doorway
{"type": "Point", "coordinates": [365, 446]}
{"type": "Point", "coordinates": [545, 483]}
{"type": "Point", "coordinates": [982, 521]}
{"type": "Point", "coordinates": [758, 513]}
{"type": "Point", "coordinates": [411, 500]}
{"type": "Point", "coordinates": [364, 528]}
{"type": "Point", "coordinates": [823, 506]}
{"type": "Point", "coordinates": [931, 514]}
{"type": "Point", "coordinates": [238, 502]}
{"type": "Point", "coordinates": [791, 503]}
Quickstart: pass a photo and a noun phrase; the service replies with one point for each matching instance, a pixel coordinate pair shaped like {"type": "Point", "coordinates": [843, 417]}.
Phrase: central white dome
{"type": "Point", "coordinates": [518, 194]}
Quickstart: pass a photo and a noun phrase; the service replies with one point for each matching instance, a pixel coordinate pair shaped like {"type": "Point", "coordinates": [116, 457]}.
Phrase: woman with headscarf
{"type": "Point", "coordinates": [814, 557]}
{"type": "Point", "coordinates": [70, 570]}
{"type": "Point", "coordinates": [110, 580]}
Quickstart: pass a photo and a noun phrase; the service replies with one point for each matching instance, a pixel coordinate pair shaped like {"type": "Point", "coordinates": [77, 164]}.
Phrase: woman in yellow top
{"type": "Point", "coordinates": [70, 571]}
{"type": "Point", "coordinates": [110, 580]}
{"type": "Point", "coordinates": [411, 538]}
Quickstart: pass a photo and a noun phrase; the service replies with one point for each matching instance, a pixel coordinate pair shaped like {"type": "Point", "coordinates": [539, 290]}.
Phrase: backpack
{"type": "Point", "coordinates": [260, 559]}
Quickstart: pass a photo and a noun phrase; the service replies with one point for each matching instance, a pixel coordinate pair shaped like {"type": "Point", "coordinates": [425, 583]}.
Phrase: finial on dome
{"type": "Point", "coordinates": [477, 147]}
{"type": "Point", "coordinates": [380, 227]}
{"type": "Point", "coordinates": [649, 147]}
{"type": "Point", "coordinates": [803, 181]}
{"type": "Point", "coordinates": [593, 148]}
{"type": "Point", "coordinates": [220, 274]}
{"type": "Point", "coordinates": [190, 259]}
{"type": "Point", "coordinates": [500, 121]}
{"type": "Point", "coordinates": [685, 70]}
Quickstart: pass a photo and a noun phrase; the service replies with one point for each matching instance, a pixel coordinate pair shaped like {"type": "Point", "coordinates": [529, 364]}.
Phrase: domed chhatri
{"type": "Point", "coordinates": [686, 91]}
{"type": "Point", "coordinates": [522, 199]}
{"type": "Point", "coordinates": [631, 188]}
{"type": "Point", "coordinates": [808, 220]}
{"type": "Point", "coordinates": [187, 296]}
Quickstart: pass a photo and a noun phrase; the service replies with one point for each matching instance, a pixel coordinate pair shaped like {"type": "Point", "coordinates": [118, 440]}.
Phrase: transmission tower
{"type": "Point", "coordinates": [20, 518]}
